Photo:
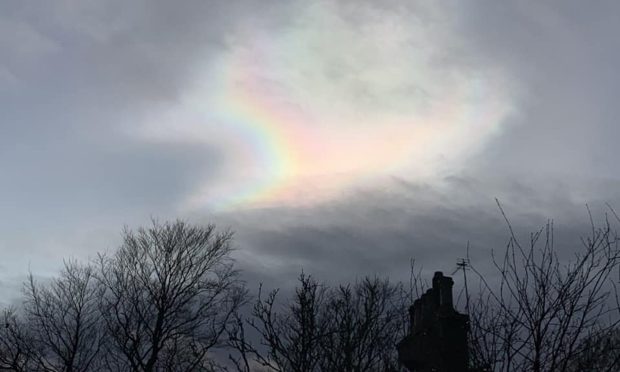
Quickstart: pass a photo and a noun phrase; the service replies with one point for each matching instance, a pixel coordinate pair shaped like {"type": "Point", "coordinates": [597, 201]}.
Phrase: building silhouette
{"type": "Point", "coordinates": [437, 339]}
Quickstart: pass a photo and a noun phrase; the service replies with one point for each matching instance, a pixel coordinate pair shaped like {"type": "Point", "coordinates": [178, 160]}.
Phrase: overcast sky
{"type": "Point", "coordinates": [341, 137]}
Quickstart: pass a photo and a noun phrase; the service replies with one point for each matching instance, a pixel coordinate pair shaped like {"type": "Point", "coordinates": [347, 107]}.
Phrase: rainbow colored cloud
{"type": "Point", "coordinates": [306, 112]}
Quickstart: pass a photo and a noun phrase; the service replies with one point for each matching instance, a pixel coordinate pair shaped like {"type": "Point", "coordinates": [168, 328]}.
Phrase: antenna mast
{"type": "Point", "coordinates": [463, 264]}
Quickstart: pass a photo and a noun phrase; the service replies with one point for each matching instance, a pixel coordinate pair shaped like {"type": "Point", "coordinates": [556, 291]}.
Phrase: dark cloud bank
{"type": "Point", "coordinates": [379, 232]}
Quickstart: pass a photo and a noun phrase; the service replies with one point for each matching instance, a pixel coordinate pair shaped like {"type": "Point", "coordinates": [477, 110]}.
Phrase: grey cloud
{"type": "Point", "coordinates": [73, 76]}
{"type": "Point", "coordinates": [117, 53]}
{"type": "Point", "coordinates": [562, 55]}
{"type": "Point", "coordinates": [375, 232]}
{"type": "Point", "coordinates": [70, 199]}
{"type": "Point", "coordinates": [81, 176]}
{"type": "Point", "coordinates": [72, 72]}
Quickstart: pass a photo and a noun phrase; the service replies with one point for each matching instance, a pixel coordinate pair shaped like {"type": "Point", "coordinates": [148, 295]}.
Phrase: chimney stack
{"type": "Point", "coordinates": [438, 334]}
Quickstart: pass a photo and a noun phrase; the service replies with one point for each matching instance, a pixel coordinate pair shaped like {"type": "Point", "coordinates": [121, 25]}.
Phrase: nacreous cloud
{"type": "Point", "coordinates": [339, 95]}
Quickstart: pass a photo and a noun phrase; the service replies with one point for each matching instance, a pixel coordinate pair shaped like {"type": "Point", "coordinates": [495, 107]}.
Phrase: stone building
{"type": "Point", "coordinates": [437, 339]}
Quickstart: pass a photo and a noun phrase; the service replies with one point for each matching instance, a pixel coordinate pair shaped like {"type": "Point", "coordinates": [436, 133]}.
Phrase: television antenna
{"type": "Point", "coordinates": [463, 264]}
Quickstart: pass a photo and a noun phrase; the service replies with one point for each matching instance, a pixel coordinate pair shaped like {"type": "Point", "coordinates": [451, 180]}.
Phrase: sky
{"type": "Point", "coordinates": [338, 137]}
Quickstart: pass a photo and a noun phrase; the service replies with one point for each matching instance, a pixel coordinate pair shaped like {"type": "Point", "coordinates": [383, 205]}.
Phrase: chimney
{"type": "Point", "coordinates": [445, 291]}
{"type": "Point", "coordinates": [437, 341]}
{"type": "Point", "coordinates": [416, 315]}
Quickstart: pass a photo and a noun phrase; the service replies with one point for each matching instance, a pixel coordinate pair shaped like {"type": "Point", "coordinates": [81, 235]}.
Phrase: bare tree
{"type": "Point", "coordinates": [363, 327]}
{"type": "Point", "coordinates": [63, 319]}
{"type": "Point", "coordinates": [16, 343]}
{"type": "Point", "coordinates": [598, 352]}
{"type": "Point", "coordinates": [170, 292]}
{"type": "Point", "coordinates": [351, 328]}
{"type": "Point", "coordinates": [290, 338]}
{"type": "Point", "coordinates": [542, 309]}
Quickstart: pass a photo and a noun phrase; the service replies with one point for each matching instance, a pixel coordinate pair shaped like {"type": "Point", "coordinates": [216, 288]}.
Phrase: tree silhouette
{"type": "Point", "coordinates": [542, 310]}
{"type": "Point", "coordinates": [170, 291]}
{"type": "Point", "coordinates": [169, 299]}
{"type": "Point", "coordinates": [364, 325]}
{"type": "Point", "coordinates": [63, 320]}
{"type": "Point", "coordinates": [348, 328]}
{"type": "Point", "coordinates": [291, 338]}
{"type": "Point", "coordinates": [17, 351]}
